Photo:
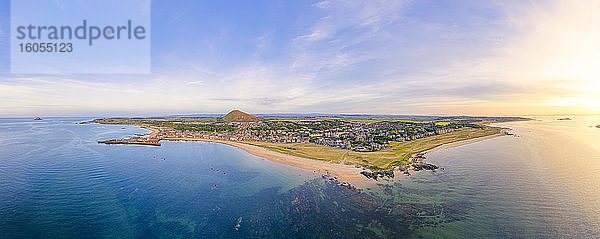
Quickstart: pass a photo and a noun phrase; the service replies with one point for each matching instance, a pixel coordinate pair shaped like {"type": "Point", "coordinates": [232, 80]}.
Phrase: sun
{"type": "Point", "coordinates": [583, 104]}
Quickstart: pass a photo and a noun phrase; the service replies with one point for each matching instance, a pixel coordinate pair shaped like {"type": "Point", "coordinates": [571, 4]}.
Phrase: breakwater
{"type": "Point", "coordinates": [119, 141]}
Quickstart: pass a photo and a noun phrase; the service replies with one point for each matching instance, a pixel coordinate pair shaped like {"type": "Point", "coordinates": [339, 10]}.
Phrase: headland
{"type": "Point", "coordinates": [349, 147]}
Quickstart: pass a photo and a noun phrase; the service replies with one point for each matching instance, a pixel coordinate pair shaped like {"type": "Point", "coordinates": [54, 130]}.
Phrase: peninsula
{"type": "Point", "coordinates": [348, 146]}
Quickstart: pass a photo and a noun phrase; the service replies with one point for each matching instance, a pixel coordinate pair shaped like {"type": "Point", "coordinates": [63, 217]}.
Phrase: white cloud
{"type": "Point", "coordinates": [544, 58]}
{"type": "Point", "coordinates": [345, 24]}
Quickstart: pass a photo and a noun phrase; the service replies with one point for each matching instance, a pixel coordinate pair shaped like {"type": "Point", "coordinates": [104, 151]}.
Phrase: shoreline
{"type": "Point", "coordinates": [342, 171]}
{"type": "Point", "coordinates": [348, 173]}
{"type": "Point", "coordinates": [419, 156]}
{"type": "Point", "coordinates": [461, 142]}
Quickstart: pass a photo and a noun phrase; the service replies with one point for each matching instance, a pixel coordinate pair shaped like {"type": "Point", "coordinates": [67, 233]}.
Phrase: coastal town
{"type": "Point", "coordinates": [381, 146]}
{"type": "Point", "coordinates": [357, 136]}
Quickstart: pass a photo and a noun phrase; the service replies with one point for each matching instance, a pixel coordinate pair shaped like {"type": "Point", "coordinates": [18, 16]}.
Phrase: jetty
{"type": "Point", "coordinates": [126, 141]}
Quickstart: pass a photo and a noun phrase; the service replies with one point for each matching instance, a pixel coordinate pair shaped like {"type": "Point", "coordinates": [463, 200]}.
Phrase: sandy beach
{"type": "Point", "coordinates": [462, 142]}
{"type": "Point", "coordinates": [343, 172]}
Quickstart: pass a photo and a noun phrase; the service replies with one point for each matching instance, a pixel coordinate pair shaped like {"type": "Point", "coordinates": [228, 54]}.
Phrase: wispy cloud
{"type": "Point", "coordinates": [383, 56]}
{"type": "Point", "coordinates": [345, 34]}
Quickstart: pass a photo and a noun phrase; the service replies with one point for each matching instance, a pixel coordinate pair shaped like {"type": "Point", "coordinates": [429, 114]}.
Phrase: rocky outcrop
{"type": "Point", "coordinates": [424, 166]}
{"type": "Point", "coordinates": [378, 174]}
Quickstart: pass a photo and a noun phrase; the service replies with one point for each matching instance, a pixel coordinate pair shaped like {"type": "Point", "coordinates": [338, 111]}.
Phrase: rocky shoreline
{"type": "Point", "coordinates": [347, 185]}
{"type": "Point", "coordinates": [378, 174]}
{"type": "Point", "coordinates": [416, 164]}
{"type": "Point", "coordinates": [416, 160]}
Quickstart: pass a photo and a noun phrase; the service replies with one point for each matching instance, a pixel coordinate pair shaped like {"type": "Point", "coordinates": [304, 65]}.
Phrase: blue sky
{"type": "Point", "coordinates": [382, 56]}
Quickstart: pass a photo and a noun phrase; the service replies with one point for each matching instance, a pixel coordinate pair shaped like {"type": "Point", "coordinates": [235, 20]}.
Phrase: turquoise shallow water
{"type": "Point", "coordinates": [57, 182]}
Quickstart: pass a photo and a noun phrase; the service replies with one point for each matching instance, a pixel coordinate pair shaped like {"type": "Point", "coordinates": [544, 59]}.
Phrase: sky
{"type": "Point", "coordinates": [437, 57]}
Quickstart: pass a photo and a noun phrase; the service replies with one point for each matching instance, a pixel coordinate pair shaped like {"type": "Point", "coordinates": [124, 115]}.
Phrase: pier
{"type": "Point", "coordinates": [119, 141]}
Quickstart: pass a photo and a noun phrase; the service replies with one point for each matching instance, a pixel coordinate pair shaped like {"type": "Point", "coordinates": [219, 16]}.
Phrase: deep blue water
{"type": "Point", "coordinates": [57, 182]}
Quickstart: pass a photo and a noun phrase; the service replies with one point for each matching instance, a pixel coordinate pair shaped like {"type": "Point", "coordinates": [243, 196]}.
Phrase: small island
{"type": "Point", "coordinates": [37, 118]}
{"type": "Point", "coordinates": [348, 146]}
{"type": "Point", "coordinates": [598, 126]}
{"type": "Point", "coordinates": [564, 119]}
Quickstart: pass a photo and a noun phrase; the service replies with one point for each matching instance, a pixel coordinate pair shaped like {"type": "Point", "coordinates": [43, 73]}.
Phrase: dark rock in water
{"type": "Point", "coordinates": [425, 166]}
{"type": "Point", "coordinates": [388, 173]}
{"type": "Point", "coordinates": [377, 174]}
{"type": "Point", "coordinates": [598, 126]}
{"type": "Point", "coordinates": [369, 174]}
{"type": "Point", "coordinates": [349, 186]}
{"type": "Point", "coordinates": [327, 176]}
{"type": "Point", "coordinates": [321, 208]}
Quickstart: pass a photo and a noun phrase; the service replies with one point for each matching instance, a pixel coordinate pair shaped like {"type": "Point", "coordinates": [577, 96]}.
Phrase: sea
{"type": "Point", "coordinates": [56, 181]}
